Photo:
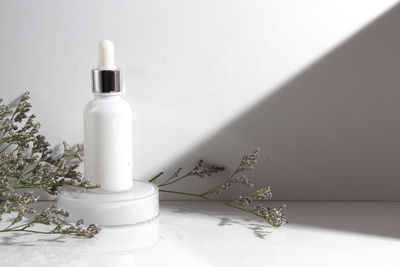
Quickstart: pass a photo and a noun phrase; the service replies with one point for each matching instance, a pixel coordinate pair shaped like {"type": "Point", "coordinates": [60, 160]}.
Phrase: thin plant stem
{"type": "Point", "coordinates": [174, 181]}
{"type": "Point", "coordinates": [155, 177]}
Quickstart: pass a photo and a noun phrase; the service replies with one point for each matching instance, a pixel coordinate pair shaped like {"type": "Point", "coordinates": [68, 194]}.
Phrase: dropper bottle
{"type": "Point", "coordinates": [108, 162]}
{"type": "Point", "coordinates": [108, 127]}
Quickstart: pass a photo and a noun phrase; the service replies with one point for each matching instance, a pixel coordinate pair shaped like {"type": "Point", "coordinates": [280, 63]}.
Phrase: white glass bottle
{"type": "Point", "coordinates": [108, 127]}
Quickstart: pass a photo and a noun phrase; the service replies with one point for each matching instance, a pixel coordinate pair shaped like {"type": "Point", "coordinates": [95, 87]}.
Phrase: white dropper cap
{"type": "Point", "coordinates": [106, 56]}
{"type": "Point", "coordinates": [106, 78]}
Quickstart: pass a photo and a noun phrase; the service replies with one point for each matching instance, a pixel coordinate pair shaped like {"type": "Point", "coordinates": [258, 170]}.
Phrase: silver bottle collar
{"type": "Point", "coordinates": [106, 81]}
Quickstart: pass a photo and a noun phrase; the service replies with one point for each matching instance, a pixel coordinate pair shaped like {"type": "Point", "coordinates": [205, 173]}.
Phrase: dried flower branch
{"type": "Point", "coordinates": [27, 162]}
{"type": "Point", "coordinates": [273, 216]}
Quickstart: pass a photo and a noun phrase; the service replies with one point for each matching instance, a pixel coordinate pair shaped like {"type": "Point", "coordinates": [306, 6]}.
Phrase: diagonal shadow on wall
{"type": "Point", "coordinates": [330, 133]}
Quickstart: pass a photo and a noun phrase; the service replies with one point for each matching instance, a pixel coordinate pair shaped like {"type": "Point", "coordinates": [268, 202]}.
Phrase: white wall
{"type": "Point", "coordinates": [215, 79]}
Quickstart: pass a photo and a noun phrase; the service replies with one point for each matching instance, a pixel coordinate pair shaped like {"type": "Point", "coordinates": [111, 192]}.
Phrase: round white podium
{"type": "Point", "coordinates": [134, 206]}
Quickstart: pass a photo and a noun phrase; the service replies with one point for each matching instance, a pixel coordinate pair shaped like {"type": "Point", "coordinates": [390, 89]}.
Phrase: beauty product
{"type": "Point", "coordinates": [121, 201]}
{"type": "Point", "coordinates": [108, 127]}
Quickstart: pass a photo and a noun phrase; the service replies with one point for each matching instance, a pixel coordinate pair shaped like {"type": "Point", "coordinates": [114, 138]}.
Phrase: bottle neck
{"type": "Point", "coordinates": [108, 95]}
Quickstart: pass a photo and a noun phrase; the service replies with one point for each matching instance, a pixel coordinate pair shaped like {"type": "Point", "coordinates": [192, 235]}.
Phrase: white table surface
{"type": "Point", "coordinates": [193, 233]}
